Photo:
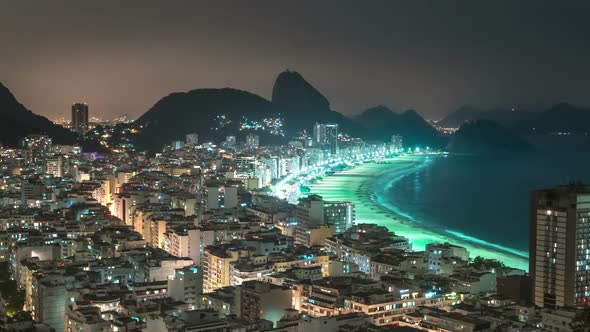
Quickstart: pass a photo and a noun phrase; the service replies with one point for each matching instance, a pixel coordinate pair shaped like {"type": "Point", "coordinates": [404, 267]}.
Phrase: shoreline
{"type": "Point", "coordinates": [358, 184]}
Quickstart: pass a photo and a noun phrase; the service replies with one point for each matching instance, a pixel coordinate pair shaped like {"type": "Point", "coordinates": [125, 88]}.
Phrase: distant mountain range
{"type": "Point", "coordinates": [504, 117]}
{"type": "Point", "coordinates": [381, 122]}
{"type": "Point", "coordinates": [487, 137]}
{"type": "Point", "coordinates": [560, 118]}
{"type": "Point", "coordinates": [215, 113]}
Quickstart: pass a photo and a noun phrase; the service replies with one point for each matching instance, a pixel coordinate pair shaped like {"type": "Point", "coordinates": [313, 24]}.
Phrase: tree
{"type": "Point", "coordinates": [14, 298]}
{"type": "Point", "coordinates": [340, 167]}
{"type": "Point", "coordinates": [582, 321]}
{"type": "Point", "coordinates": [481, 263]}
{"type": "Point", "coordinates": [304, 189]}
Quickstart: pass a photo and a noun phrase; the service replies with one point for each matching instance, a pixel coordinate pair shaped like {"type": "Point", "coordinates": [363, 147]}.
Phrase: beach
{"type": "Point", "coordinates": [365, 186]}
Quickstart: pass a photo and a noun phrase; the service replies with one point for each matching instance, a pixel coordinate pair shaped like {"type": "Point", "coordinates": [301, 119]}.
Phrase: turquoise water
{"type": "Point", "coordinates": [480, 200]}
{"type": "Point", "coordinates": [370, 187]}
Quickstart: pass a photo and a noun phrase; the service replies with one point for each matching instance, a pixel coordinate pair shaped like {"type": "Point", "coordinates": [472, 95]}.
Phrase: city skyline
{"type": "Point", "coordinates": [425, 56]}
{"type": "Point", "coordinates": [294, 166]}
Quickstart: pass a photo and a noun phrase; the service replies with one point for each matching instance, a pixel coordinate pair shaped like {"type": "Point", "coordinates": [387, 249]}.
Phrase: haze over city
{"type": "Point", "coordinates": [294, 166]}
{"type": "Point", "coordinates": [121, 57]}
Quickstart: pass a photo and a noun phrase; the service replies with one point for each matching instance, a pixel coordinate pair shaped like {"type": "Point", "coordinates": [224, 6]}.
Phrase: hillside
{"type": "Point", "coordinates": [216, 113]}
{"type": "Point", "coordinates": [212, 113]}
{"type": "Point", "coordinates": [16, 121]}
{"type": "Point", "coordinates": [505, 117]}
{"type": "Point", "coordinates": [560, 118]}
{"type": "Point", "coordinates": [487, 137]}
{"type": "Point", "coordinates": [302, 104]}
{"type": "Point", "coordinates": [381, 122]}
{"type": "Point", "coordinates": [557, 119]}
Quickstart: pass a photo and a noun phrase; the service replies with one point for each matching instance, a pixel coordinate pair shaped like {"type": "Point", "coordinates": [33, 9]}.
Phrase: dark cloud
{"type": "Point", "coordinates": [122, 56]}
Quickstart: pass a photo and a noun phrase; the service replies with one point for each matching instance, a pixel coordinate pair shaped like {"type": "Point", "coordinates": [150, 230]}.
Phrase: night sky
{"type": "Point", "coordinates": [432, 56]}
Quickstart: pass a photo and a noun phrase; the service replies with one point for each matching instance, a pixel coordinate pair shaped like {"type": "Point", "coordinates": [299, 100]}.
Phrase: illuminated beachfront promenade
{"type": "Point", "coordinates": [358, 185]}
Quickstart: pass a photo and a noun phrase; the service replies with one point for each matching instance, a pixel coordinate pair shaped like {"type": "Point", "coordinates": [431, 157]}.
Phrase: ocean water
{"type": "Point", "coordinates": [371, 187]}
{"type": "Point", "coordinates": [481, 199]}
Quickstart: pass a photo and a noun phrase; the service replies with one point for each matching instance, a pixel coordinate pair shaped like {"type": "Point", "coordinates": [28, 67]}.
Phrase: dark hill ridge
{"type": "Point", "coordinates": [302, 104]}
{"type": "Point", "coordinates": [487, 137]}
{"type": "Point", "coordinates": [505, 117]}
{"type": "Point", "coordinates": [293, 98]}
{"type": "Point", "coordinates": [292, 92]}
{"type": "Point", "coordinates": [463, 114]}
{"type": "Point", "coordinates": [200, 111]}
{"type": "Point", "coordinates": [16, 121]}
{"type": "Point", "coordinates": [381, 122]}
{"type": "Point", "coordinates": [560, 118]}
{"type": "Point", "coordinates": [196, 111]}
{"type": "Point", "coordinates": [210, 102]}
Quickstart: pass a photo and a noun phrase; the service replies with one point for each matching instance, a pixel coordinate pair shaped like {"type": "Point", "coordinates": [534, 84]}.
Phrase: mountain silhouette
{"type": "Point", "coordinates": [302, 105]}
{"type": "Point", "coordinates": [294, 94]}
{"type": "Point", "coordinates": [16, 122]}
{"type": "Point", "coordinates": [560, 118]}
{"type": "Point", "coordinates": [557, 119]}
{"type": "Point", "coordinates": [381, 122]}
{"type": "Point", "coordinates": [211, 113]}
{"type": "Point", "coordinates": [486, 137]}
{"type": "Point", "coordinates": [216, 113]}
{"type": "Point", "coordinates": [505, 117]}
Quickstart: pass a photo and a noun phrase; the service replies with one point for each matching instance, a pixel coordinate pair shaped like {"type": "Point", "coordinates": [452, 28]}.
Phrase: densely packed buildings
{"type": "Point", "coordinates": [207, 237]}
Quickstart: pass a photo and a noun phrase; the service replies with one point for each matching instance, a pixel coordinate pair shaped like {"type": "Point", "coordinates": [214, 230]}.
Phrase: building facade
{"type": "Point", "coordinates": [80, 118]}
{"type": "Point", "coordinates": [560, 246]}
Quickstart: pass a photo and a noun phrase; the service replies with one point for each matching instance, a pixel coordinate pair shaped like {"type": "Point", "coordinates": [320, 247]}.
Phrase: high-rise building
{"type": "Point", "coordinates": [37, 148]}
{"type": "Point", "coordinates": [31, 189]}
{"type": "Point", "coordinates": [559, 262]}
{"type": "Point", "coordinates": [339, 214]}
{"type": "Point", "coordinates": [186, 285]}
{"type": "Point", "coordinates": [218, 196]}
{"type": "Point", "coordinates": [245, 165]}
{"type": "Point", "coordinates": [261, 300]}
{"type": "Point", "coordinates": [85, 319]}
{"type": "Point", "coordinates": [314, 156]}
{"type": "Point", "coordinates": [183, 242]}
{"type": "Point", "coordinates": [216, 265]}
{"type": "Point", "coordinates": [397, 143]}
{"type": "Point", "coordinates": [80, 118]}
{"type": "Point", "coordinates": [177, 144]}
{"type": "Point", "coordinates": [230, 142]}
{"type": "Point", "coordinates": [293, 165]}
{"type": "Point", "coordinates": [310, 236]}
{"type": "Point", "coordinates": [252, 141]}
{"type": "Point", "coordinates": [55, 166]}
{"type": "Point", "coordinates": [332, 138]}
{"type": "Point", "coordinates": [310, 210]}
{"type": "Point", "coordinates": [48, 298]}
{"type": "Point", "coordinates": [319, 134]}
{"type": "Point", "coordinates": [192, 140]}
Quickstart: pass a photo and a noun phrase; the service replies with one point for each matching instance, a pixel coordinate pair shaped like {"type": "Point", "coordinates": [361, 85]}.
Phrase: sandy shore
{"type": "Point", "coordinates": [363, 184]}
